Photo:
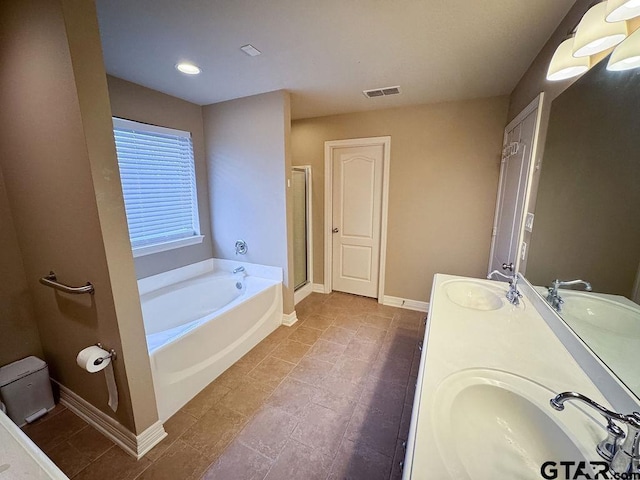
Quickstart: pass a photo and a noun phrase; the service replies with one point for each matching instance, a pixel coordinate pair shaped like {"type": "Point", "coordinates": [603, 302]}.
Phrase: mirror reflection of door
{"type": "Point", "coordinates": [299, 184]}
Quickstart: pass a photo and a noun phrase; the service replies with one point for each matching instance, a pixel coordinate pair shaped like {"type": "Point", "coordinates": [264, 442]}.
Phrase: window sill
{"type": "Point", "coordinates": [166, 246]}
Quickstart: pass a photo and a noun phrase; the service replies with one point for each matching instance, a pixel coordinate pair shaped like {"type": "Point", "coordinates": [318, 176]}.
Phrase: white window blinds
{"type": "Point", "coordinates": [158, 182]}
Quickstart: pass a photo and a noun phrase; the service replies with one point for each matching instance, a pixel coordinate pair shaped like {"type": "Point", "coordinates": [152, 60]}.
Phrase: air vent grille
{"type": "Point", "coordinates": [381, 92]}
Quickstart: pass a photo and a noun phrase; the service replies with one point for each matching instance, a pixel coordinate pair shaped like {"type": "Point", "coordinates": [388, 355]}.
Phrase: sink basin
{"type": "Point", "coordinates": [609, 325]}
{"type": "Point", "coordinates": [602, 313]}
{"type": "Point", "coordinates": [491, 424]}
{"type": "Point", "coordinates": [473, 295]}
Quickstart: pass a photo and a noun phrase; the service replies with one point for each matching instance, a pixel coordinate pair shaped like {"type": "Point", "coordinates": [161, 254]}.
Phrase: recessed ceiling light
{"type": "Point", "coordinates": [251, 50]}
{"type": "Point", "coordinates": [188, 68]}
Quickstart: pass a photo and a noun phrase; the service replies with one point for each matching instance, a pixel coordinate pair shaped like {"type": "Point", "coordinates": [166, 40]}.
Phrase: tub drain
{"type": "Point", "coordinates": [239, 285]}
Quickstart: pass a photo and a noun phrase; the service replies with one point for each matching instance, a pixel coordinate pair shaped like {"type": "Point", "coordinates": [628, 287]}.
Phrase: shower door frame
{"type": "Point", "coordinates": [304, 291]}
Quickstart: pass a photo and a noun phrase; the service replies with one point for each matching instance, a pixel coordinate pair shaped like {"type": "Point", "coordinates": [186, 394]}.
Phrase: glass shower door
{"type": "Point", "coordinates": [299, 181]}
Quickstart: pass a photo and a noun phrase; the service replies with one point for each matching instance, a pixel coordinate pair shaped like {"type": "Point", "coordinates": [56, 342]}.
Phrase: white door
{"type": "Point", "coordinates": [357, 204]}
{"type": "Point", "coordinates": [514, 177]}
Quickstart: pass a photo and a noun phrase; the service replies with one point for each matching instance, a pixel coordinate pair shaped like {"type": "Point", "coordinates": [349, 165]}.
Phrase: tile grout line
{"type": "Point", "coordinates": [281, 450]}
{"type": "Point", "coordinates": [254, 413]}
{"type": "Point", "coordinates": [342, 309]}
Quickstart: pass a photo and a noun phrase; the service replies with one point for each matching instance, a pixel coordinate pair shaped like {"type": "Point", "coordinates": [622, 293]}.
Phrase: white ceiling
{"type": "Point", "coordinates": [325, 52]}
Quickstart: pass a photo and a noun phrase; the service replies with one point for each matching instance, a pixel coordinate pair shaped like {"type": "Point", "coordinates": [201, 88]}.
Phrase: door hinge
{"type": "Point", "coordinates": [494, 231]}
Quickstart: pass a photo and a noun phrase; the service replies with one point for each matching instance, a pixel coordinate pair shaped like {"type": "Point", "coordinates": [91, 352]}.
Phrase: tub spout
{"type": "Point", "coordinates": [237, 270]}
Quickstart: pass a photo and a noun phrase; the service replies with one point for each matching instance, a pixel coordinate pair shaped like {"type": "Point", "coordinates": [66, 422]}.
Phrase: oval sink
{"type": "Point", "coordinates": [602, 313]}
{"type": "Point", "coordinates": [473, 295]}
{"type": "Point", "coordinates": [491, 424]}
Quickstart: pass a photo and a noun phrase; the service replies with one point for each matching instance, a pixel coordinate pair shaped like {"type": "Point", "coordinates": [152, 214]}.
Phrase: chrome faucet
{"type": "Point", "coordinates": [554, 298]}
{"type": "Point", "coordinates": [498, 272]}
{"type": "Point", "coordinates": [237, 270]}
{"type": "Point", "coordinates": [620, 450]}
{"type": "Point", "coordinates": [513, 295]}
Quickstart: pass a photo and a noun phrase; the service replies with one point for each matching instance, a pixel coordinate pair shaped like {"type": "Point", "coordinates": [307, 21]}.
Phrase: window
{"type": "Point", "coordinates": [159, 186]}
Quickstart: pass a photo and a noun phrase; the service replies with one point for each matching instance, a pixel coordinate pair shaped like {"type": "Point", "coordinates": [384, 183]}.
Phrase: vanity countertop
{"type": "Point", "coordinates": [506, 338]}
{"type": "Point", "coordinates": [20, 458]}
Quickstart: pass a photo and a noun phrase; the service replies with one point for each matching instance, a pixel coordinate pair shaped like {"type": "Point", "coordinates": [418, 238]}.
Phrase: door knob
{"type": "Point", "coordinates": [509, 266]}
{"type": "Point", "coordinates": [335, 230]}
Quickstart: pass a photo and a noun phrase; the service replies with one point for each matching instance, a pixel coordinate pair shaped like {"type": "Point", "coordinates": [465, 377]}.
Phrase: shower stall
{"type": "Point", "coordinates": [302, 233]}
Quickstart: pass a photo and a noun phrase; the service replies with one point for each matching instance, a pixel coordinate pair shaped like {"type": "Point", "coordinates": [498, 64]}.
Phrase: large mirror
{"type": "Point", "coordinates": [587, 218]}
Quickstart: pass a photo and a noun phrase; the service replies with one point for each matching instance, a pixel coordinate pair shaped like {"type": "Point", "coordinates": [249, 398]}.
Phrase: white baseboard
{"type": "Point", "coordinates": [302, 293]}
{"type": "Point", "coordinates": [135, 445]}
{"type": "Point", "coordinates": [318, 288]}
{"type": "Point", "coordinates": [405, 303]}
{"type": "Point", "coordinates": [288, 319]}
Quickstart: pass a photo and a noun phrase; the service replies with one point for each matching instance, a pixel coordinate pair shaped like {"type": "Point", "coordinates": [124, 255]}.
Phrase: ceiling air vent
{"type": "Point", "coordinates": [381, 92]}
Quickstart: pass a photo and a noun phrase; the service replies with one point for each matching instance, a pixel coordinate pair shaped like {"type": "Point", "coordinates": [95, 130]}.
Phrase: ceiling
{"type": "Point", "coordinates": [325, 52]}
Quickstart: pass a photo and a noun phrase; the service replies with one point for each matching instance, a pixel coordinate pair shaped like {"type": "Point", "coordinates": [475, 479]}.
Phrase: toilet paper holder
{"type": "Point", "coordinates": [112, 355]}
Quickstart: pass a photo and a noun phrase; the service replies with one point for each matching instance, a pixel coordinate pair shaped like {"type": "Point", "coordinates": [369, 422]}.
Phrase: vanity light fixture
{"type": "Point", "coordinates": [595, 34]}
{"type": "Point", "coordinates": [188, 68]}
{"type": "Point", "coordinates": [626, 55]}
{"type": "Point", "coordinates": [619, 10]}
{"type": "Point", "coordinates": [564, 65]}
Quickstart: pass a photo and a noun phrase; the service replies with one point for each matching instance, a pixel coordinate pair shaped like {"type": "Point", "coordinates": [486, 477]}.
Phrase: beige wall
{"type": "Point", "coordinates": [135, 102]}
{"type": "Point", "coordinates": [62, 181]}
{"type": "Point", "coordinates": [445, 161]}
{"type": "Point", "coordinates": [248, 163]}
{"type": "Point", "coordinates": [288, 287]}
{"type": "Point", "coordinates": [19, 336]}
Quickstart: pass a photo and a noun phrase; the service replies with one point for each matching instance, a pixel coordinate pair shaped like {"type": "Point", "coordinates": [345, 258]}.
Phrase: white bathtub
{"type": "Point", "coordinates": [201, 319]}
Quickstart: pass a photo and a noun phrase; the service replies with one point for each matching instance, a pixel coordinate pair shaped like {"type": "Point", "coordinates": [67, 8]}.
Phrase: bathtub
{"type": "Point", "coordinates": [200, 319]}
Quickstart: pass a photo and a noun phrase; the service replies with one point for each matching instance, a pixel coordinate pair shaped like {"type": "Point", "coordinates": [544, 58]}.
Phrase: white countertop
{"type": "Point", "coordinates": [510, 339]}
{"type": "Point", "coordinates": [20, 458]}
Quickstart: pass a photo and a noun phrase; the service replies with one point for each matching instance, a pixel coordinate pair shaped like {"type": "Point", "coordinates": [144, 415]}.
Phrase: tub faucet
{"type": "Point", "coordinates": [620, 450]}
{"type": "Point", "coordinates": [513, 295]}
{"type": "Point", "coordinates": [237, 270]}
{"type": "Point", "coordinates": [554, 298]}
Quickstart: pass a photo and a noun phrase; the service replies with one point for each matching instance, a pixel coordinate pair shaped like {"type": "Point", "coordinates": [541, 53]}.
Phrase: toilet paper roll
{"type": "Point", "coordinates": [94, 359]}
{"type": "Point", "coordinates": [91, 359]}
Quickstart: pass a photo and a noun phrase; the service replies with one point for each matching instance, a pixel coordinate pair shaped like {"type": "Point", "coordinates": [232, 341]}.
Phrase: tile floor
{"type": "Point", "coordinates": [329, 398]}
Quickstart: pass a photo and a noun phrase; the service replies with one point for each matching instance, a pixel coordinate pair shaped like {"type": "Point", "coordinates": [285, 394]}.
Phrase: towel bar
{"type": "Point", "coordinates": [51, 281]}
